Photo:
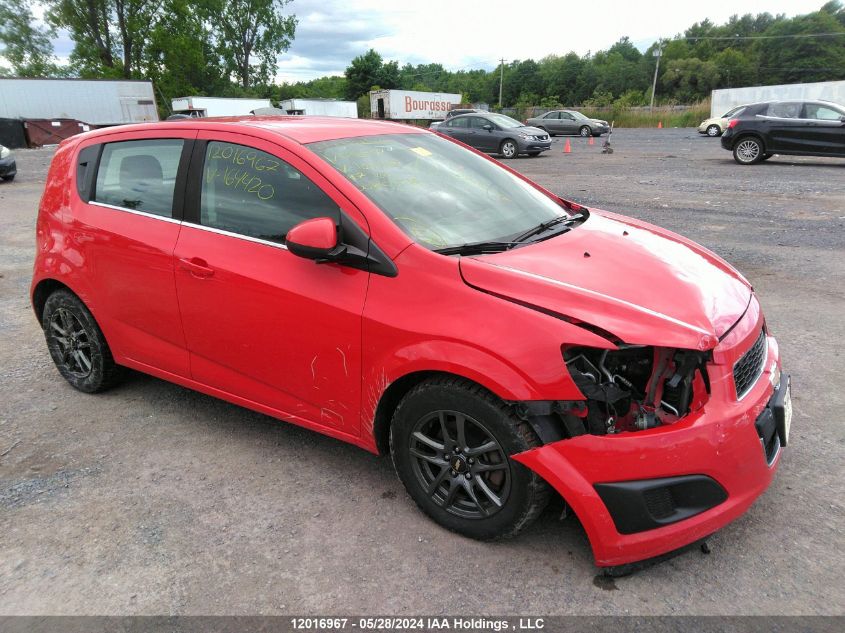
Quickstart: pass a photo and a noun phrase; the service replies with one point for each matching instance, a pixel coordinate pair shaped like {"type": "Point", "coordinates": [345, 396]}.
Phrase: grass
{"type": "Point", "coordinates": [642, 117]}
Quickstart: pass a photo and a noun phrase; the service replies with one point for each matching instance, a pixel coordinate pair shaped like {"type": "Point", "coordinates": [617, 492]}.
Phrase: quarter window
{"type": "Point", "coordinates": [253, 193]}
{"type": "Point", "coordinates": [139, 175]}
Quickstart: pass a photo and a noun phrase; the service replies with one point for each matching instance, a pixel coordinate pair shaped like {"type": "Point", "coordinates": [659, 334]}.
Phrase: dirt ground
{"type": "Point", "coordinates": [152, 499]}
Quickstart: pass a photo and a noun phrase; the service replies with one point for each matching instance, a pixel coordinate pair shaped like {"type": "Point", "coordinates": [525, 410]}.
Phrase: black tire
{"type": "Point", "coordinates": [459, 480]}
{"type": "Point", "coordinates": [585, 131]}
{"type": "Point", "coordinates": [505, 150]}
{"type": "Point", "coordinates": [748, 150]}
{"type": "Point", "coordinates": [713, 130]}
{"type": "Point", "coordinates": [9, 178]}
{"type": "Point", "coordinates": [767, 156]}
{"type": "Point", "coordinates": [77, 344]}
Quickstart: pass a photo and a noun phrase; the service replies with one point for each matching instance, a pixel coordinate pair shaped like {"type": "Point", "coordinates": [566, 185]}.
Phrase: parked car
{"type": "Point", "coordinates": [434, 124]}
{"type": "Point", "coordinates": [8, 166]}
{"type": "Point", "coordinates": [569, 122]}
{"type": "Point", "coordinates": [391, 288]}
{"type": "Point", "coordinates": [715, 126]}
{"type": "Point", "coordinates": [798, 128]}
{"type": "Point", "coordinates": [496, 134]}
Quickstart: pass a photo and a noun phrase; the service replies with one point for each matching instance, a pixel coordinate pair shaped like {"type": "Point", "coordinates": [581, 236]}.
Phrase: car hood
{"type": "Point", "coordinates": [599, 121]}
{"type": "Point", "coordinates": [636, 282]}
{"type": "Point", "coordinates": [530, 129]}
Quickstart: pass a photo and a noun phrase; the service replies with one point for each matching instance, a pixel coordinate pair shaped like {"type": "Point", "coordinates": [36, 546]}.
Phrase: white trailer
{"type": "Point", "coordinates": [94, 101]}
{"type": "Point", "coordinates": [723, 100]}
{"type": "Point", "coordinates": [411, 104]}
{"type": "Point", "coordinates": [217, 106]}
{"type": "Point", "coordinates": [320, 107]}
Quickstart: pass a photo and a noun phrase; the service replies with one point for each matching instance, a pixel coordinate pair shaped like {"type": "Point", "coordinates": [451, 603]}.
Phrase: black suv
{"type": "Point", "coordinates": [799, 128]}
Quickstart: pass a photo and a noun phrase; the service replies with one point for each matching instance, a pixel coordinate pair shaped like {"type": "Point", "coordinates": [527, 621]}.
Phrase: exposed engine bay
{"type": "Point", "coordinates": [634, 388]}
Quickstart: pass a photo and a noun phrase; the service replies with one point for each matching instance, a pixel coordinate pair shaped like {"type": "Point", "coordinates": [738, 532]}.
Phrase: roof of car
{"type": "Point", "coordinates": [302, 129]}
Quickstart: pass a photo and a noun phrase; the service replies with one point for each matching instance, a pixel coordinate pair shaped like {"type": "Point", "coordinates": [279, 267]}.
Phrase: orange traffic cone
{"type": "Point", "coordinates": [567, 148]}
{"type": "Point", "coordinates": [592, 141]}
{"type": "Point", "coordinates": [659, 124]}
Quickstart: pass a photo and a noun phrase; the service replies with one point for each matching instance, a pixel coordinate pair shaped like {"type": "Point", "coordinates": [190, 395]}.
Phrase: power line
{"type": "Point", "coordinates": [759, 37]}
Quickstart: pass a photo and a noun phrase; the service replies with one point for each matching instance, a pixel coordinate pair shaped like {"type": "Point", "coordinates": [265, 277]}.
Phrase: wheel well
{"type": "Point", "coordinates": [391, 398]}
{"type": "Point", "coordinates": [42, 291]}
{"type": "Point", "coordinates": [753, 135]}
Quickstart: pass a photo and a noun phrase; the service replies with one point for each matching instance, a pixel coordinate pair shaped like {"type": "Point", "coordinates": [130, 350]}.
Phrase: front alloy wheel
{"type": "Point", "coordinates": [459, 464]}
{"type": "Point", "coordinates": [451, 442]}
{"type": "Point", "coordinates": [748, 151]}
{"type": "Point", "coordinates": [508, 149]}
{"type": "Point", "coordinates": [585, 131]}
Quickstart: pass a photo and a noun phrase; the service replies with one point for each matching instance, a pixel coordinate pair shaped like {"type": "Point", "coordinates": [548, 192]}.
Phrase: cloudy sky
{"type": "Point", "coordinates": [475, 34]}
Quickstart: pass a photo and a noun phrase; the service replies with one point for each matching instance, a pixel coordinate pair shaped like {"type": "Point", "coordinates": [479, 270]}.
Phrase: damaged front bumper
{"type": "Point", "coordinates": [646, 493]}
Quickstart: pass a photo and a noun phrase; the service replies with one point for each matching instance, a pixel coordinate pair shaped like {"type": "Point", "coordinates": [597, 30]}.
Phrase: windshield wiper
{"type": "Point", "coordinates": [545, 226]}
{"type": "Point", "coordinates": [475, 248]}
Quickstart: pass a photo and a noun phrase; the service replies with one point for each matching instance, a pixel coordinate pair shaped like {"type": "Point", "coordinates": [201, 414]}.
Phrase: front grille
{"type": "Point", "coordinates": [748, 368]}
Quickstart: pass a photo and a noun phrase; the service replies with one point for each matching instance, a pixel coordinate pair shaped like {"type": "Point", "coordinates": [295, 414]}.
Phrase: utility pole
{"type": "Point", "coordinates": [501, 80]}
{"type": "Point", "coordinates": [657, 54]}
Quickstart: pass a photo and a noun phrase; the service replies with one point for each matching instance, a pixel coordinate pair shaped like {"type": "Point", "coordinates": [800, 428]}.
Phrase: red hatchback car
{"type": "Point", "coordinates": [391, 288]}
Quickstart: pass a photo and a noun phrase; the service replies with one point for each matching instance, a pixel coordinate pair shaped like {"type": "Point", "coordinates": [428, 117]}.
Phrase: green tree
{"type": "Point", "coordinates": [249, 36]}
{"type": "Point", "coordinates": [110, 36]}
{"type": "Point", "coordinates": [25, 44]}
{"type": "Point", "coordinates": [363, 73]}
{"type": "Point", "coordinates": [179, 58]}
{"type": "Point", "coordinates": [803, 59]}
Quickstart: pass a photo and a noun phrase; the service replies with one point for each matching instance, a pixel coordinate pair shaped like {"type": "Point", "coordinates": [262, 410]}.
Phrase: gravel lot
{"type": "Point", "coordinates": [154, 499]}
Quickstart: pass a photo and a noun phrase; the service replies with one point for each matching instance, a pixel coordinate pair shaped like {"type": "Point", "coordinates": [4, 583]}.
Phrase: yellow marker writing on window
{"type": "Point", "coordinates": [421, 151]}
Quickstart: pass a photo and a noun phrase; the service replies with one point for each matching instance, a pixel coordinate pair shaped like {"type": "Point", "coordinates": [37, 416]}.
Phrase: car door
{"type": "Point", "coordinates": [456, 127]}
{"type": "Point", "coordinates": [548, 121]}
{"type": "Point", "coordinates": [568, 124]}
{"type": "Point", "coordinates": [486, 140]}
{"type": "Point", "coordinates": [261, 323]}
{"type": "Point", "coordinates": [125, 227]}
{"type": "Point", "coordinates": [826, 131]}
{"type": "Point", "coordinates": [555, 123]}
{"type": "Point", "coordinates": [784, 129]}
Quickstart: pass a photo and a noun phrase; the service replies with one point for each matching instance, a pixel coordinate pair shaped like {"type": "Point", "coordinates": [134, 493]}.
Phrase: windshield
{"type": "Point", "coordinates": [504, 121]}
{"type": "Point", "coordinates": [439, 193]}
{"type": "Point", "coordinates": [578, 115]}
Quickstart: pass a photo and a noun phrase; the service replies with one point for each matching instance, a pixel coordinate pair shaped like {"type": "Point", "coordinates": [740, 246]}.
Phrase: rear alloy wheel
{"type": "Point", "coordinates": [714, 130]}
{"type": "Point", "coordinates": [77, 344]}
{"type": "Point", "coordinates": [585, 131]}
{"type": "Point", "coordinates": [508, 149]}
{"type": "Point", "coordinates": [748, 151]}
{"type": "Point", "coordinates": [451, 443]}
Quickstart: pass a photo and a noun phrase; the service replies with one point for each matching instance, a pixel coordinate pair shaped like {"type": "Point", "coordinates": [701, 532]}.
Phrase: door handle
{"type": "Point", "coordinates": [196, 266]}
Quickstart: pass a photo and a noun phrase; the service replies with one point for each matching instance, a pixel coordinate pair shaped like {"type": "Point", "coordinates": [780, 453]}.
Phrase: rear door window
{"type": "Point", "coordinates": [784, 110]}
{"type": "Point", "coordinates": [139, 175]}
{"type": "Point", "coordinates": [253, 193]}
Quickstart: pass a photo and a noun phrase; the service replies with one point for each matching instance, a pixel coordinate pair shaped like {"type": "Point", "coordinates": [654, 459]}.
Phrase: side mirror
{"type": "Point", "coordinates": [842, 119]}
{"type": "Point", "coordinates": [315, 239]}
{"type": "Point", "coordinates": [488, 127]}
